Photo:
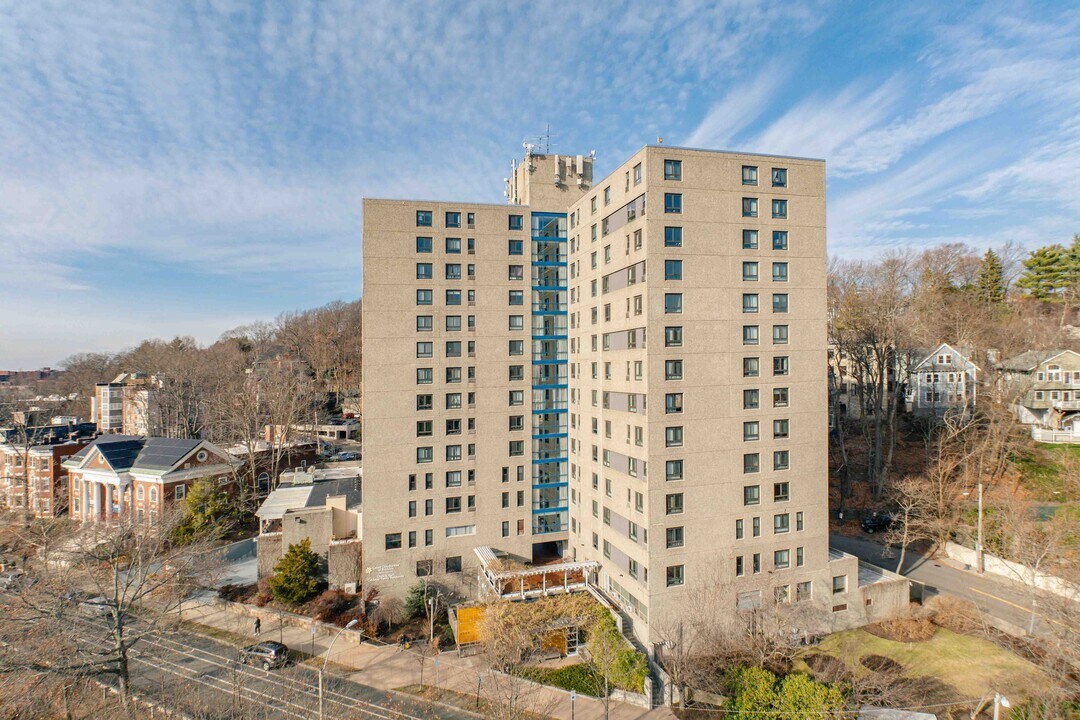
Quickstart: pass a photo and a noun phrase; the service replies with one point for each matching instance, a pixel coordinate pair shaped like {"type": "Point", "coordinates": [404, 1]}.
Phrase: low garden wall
{"type": "Point", "coordinates": [1015, 571]}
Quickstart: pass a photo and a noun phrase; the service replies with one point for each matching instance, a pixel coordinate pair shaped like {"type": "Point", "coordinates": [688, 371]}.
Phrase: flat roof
{"type": "Point", "coordinates": [731, 152]}
{"type": "Point", "coordinates": [463, 203]}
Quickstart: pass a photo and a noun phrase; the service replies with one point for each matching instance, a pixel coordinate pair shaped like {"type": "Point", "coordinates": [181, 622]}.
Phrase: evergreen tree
{"type": "Point", "coordinates": [1046, 272]}
{"type": "Point", "coordinates": [208, 511]}
{"type": "Point", "coordinates": [990, 283]}
{"type": "Point", "coordinates": [297, 574]}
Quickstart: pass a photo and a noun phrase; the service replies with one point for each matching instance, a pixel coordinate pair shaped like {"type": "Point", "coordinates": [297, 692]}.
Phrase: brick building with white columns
{"type": "Point", "coordinates": [120, 475]}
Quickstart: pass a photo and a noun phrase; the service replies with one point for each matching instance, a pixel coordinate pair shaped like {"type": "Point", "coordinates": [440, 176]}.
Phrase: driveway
{"type": "Point", "coordinates": [994, 595]}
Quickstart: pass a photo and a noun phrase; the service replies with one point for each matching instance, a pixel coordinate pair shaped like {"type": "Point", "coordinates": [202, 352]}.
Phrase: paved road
{"type": "Point", "coordinates": [165, 664]}
{"type": "Point", "coordinates": [996, 596]}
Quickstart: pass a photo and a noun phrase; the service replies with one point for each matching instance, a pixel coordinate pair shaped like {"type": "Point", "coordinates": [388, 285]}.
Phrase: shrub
{"type": "Point", "coordinates": [331, 604]}
{"type": "Point", "coordinates": [904, 629]}
{"type": "Point", "coordinates": [297, 574]}
{"type": "Point", "coordinates": [753, 691]}
{"type": "Point", "coordinates": [234, 593]}
{"type": "Point", "coordinates": [579, 678]}
{"type": "Point", "coordinates": [263, 594]}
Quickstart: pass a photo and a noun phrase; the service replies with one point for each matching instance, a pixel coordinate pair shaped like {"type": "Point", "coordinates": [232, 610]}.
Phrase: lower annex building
{"type": "Point", "coordinates": [630, 372]}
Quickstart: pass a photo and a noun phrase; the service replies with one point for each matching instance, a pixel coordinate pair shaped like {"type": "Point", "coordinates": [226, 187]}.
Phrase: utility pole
{"type": "Point", "coordinates": [979, 565]}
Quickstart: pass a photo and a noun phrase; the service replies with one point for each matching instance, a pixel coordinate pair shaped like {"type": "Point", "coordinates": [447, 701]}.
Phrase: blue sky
{"type": "Point", "coordinates": [185, 167]}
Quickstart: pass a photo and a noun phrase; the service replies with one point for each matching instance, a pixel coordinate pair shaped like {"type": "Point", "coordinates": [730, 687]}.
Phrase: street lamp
{"type": "Point", "coordinates": [322, 668]}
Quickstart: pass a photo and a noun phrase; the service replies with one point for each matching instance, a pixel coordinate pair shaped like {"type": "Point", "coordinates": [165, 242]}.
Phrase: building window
{"type": "Point", "coordinates": [672, 203]}
{"type": "Point", "coordinates": [779, 334]}
{"type": "Point", "coordinates": [673, 403]}
{"type": "Point", "coordinates": [750, 271]}
{"type": "Point", "coordinates": [803, 591]}
{"type": "Point", "coordinates": [516, 222]}
{"type": "Point", "coordinates": [780, 397]}
{"type": "Point", "coordinates": [749, 175]}
{"type": "Point", "coordinates": [674, 537]}
{"type": "Point", "coordinates": [673, 436]}
{"type": "Point", "coordinates": [751, 463]}
{"type": "Point", "coordinates": [673, 470]}
{"type": "Point", "coordinates": [453, 564]}
{"type": "Point", "coordinates": [779, 240]}
{"type": "Point", "coordinates": [779, 302]}
{"type": "Point", "coordinates": [424, 568]}
{"type": "Point", "coordinates": [781, 523]}
{"type": "Point", "coordinates": [672, 303]}
{"type": "Point", "coordinates": [749, 302]}
{"type": "Point", "coordinates": [672, 336]}
{"type": "Point", "coordinates": [637, 174]}
{"type": "Point", "coordinates": [423, 428]}
{"type": "Point", "coordinates": [423, 271]}
{"type": "Point", "coordinates": [423, 219]}
{"type": "Point", "coordinates": [750, 334]}
{"type": "Point", "coordinates": [393, 540]}
{"type": "Point", "coordinates": [799, 521]}
{"type": "Point", "coordinates": [453, 219]}
{"type": "Point", "coordinates": [799, 559]}
{"type": "Point", "coordinates": [674, 503]}
{"type": "Point", "coordinates": [781, 559]}
{"type": "Point", "coordinates": [453, 246]}
{"type": "Point", "coordinates": [424, 376]}
{"type": "Point", "coordinates": [673, 269]}
{"type": "Point", "coordinates": [750, 430]}
{"type": "Point", "coordinates": [751, 367]}
{"type": "Point", "coordinates": [779, 177]}
{"type": "Point", "coordinates": [673, 169]}
{"type": "Point", "coordinates": [516, 247]}
{"type": "Point", "coordinates": [423, 244]}
{"type": "Point", "coordinates": [673, 370]}
{"type": "Point", "coordinates": [424, 454]}
{"type": "Point", "coordinates": [781, 460]}
{"type": "Point", "coordinates": [749, 207]}
{"type": "Point", "coordinates": [517, 322]}
{"type": "Point", "coordinates": [751, 494]}
{"type": "Point", "coordinates": [750, 239]}
{"type": "Point", "coordinates": [423, 402]}
{"type": "Point", "coordinates": [780, 428]}
{"type": "Point", "coordinates": [673, 236]}
{"type": "Point", "coordinates": [424, 349]}
{"type": "Point", "coordinates": [780, 365]}
{"type": "Point", "coordinates": [839, 584]}
{"type": "Point", "coordinates": [751, 398]}
{"type": "Point", "coordinates": [779, 209]}
{"type": "Point", "coordinates": [675, 575]}
{"type": "Point", "coordinates": [779, 272]}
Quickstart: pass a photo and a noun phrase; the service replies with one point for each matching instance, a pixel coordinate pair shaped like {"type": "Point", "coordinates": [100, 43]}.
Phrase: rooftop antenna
{"type": "Point", "coordinates": [544, 141]}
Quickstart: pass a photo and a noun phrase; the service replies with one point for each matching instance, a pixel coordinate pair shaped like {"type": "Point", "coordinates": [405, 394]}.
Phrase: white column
{"type": "Point", "coordinates": [119, 502]}
{"type": "Point", "coordinates": [108, 501]}
{"type": "Point", "coordinates": [84, 506]}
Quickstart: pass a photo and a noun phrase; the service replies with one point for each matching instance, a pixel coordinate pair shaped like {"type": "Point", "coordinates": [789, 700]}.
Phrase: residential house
{"type": "Point", "coordinates": [322, 505]}
{"type": "Point", "coordinates": [944, 380]}
{"type": "Point", "coordinates": [119, 475]}
{"type": "Point", "coordinates": [1046, 387]}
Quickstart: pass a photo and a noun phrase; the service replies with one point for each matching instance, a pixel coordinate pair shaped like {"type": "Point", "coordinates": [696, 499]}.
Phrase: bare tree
{"type": "Point", "coordinates": [139, 578]}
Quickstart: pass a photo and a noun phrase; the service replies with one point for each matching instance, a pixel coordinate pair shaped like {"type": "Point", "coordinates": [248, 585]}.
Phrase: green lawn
{"type": "Point", "coordinates": [1042, 471]}
{"type": "Point", "coordinates": [973, 666]}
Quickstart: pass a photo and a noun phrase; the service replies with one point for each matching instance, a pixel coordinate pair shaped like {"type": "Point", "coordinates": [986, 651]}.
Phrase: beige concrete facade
{"type": "Point", "coordinates": [660, 532]}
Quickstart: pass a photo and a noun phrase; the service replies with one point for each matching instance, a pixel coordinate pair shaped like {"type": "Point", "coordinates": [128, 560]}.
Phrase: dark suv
{"type": "Point", "coordinates": [268, 654]}
{"type": "Point", "coordinates": [878, 522]}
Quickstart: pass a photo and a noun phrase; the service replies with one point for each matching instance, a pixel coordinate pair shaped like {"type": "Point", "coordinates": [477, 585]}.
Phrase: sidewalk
{"type": "Point", "coordinates": [389, 668]}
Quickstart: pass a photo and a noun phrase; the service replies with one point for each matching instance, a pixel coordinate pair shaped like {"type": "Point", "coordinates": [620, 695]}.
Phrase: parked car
{"type": "Point", "coordinates": [267, 654]}
{"type": "Point", "coordinates": [346, 456]}
{"type": "Point", "coordinates": [878, 522]}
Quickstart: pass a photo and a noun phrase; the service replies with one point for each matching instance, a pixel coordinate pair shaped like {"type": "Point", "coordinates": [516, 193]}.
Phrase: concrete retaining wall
{"type": "Point", "coordinates": [1014, 571]}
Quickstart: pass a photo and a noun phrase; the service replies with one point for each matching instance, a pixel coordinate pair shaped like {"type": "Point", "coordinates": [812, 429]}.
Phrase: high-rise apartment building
{"type": "Point", "coordinates": [631, 372]}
